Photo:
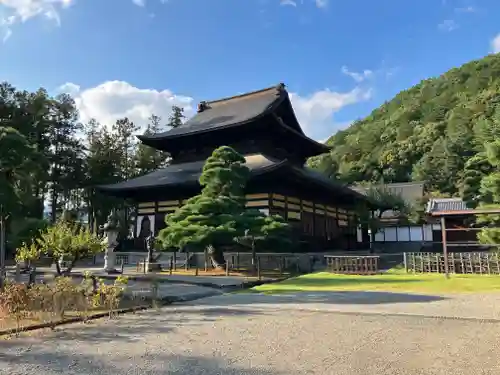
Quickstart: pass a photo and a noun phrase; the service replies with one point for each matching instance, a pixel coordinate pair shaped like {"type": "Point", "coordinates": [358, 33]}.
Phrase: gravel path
{"type": "Point", "coordinates": [224, 335]}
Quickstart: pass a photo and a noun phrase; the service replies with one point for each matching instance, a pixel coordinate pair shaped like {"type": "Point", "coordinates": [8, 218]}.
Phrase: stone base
{"type": "Point", "coordinates": [151, 267]}
{"type": "Point", "coordinates": [113, 272]}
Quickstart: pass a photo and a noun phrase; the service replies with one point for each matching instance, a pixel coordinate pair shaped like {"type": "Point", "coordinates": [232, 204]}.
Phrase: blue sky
{"type": "Point", "coordinates": [340, 59]}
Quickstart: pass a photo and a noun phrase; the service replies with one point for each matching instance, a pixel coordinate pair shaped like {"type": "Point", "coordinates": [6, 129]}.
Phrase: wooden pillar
{"type": "Point", "coordinates": [445, 246]}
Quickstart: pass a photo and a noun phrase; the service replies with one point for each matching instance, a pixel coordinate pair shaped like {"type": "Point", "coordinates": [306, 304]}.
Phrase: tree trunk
{"type": "Point", "coordinates": [254, 257]}
{"type": "Point", "coordinates": [58, 267]}
{"type": "Point", "coordinates": [216, 256]}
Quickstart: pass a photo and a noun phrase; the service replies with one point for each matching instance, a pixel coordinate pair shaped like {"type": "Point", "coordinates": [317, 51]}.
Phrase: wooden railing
{"type": "Point", "coordinates": [482, 262]}
{"type": "Point", "coordinates": [351, 264]}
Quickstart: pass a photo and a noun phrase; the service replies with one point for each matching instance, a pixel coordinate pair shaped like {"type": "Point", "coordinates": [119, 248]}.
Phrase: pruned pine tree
{"type": "Point", "coordinates": [217, 217]}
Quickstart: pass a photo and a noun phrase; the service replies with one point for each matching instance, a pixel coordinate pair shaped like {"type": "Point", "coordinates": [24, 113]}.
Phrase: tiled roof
{"type": "Point", "coordinates": [446, 204]}
{"type": "Point", "coordinates": [179, 174]}
{"type": "Point", "coordinates": [227, 112]}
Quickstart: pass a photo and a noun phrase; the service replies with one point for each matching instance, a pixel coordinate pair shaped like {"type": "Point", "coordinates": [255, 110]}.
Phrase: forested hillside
{"type": "Point", "coordinates": [433, 132]}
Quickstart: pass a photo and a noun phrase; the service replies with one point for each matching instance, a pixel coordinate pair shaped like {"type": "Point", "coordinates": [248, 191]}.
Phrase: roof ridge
{"type": "Point", "coordinates": [278, 88]}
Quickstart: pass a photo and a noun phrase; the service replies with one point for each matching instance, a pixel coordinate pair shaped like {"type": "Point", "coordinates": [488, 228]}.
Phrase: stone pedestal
{"type": "Point", "coordinates": [152, 267]}
{"type": "Point", "coordinates": [109, 256]}
{"type": "Point", "coordinates": [110, 261]}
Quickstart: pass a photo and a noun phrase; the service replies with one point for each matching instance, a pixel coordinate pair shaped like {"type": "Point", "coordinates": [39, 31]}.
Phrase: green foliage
{"type": "Point", "coordinates": [381, 196]}
{"type": "Point", "coordinates": [217, 217]}
{"type": "Point", "coordinates": [429, 132]}
{"type": "Point", "coordinates": [63, 240]}
{"type": "Point", "coordinates": [177, 117]}
{"type": "Point", "coordinates": [26, 230]}
{"type": "Point", "coordinates": [209, 219]}
{"type": "Point", "coordinates": [261, 231]}
{"type": "Point", "coordinates": [489, 192]}
{"type": "Point", "coordinates": [28, 253]}
{"type": "Point", "coordinates": [109, 295]}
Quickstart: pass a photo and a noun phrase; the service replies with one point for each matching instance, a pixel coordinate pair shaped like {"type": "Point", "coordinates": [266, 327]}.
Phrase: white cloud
{"type": "Point", "coordinates": [358, 77]}
{"type": "Point", "coordinates": [112, 100]}
{"type": "Point", "coordinates": [316, 111]}
{"type": "Point", "coordinates": [295, 3]}
{"type": "Point", "coordinates": [19, 11]}
{"type": "Point", "coordinates": [467, 9]}
{"type": "Point", "coordinates": [69, 88]}
{"type": "Point", "coordinates": [139, 3]}
{"type": "Point", "coordinates": [322, 3]}
{"type": "Point", "coordinates": [495, 44]}
{"type": "Point", "coordinates": [448, 25]}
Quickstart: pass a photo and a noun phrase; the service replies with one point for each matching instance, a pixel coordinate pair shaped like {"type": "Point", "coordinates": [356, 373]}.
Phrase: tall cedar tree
{"type": "Point", "coordinates": [490, 192]}
{"type": "Point", "coordinates": [149, 159]}
{"type": "Point", "coordinates": [217, 217]}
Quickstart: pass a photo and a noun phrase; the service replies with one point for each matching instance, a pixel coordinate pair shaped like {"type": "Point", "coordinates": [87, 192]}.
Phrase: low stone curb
{"type": "Point", "coordinates": [245, 284]}
{"type": "Point", "coordinates": [162, 302]}
{"type": "Point", "coordinates": [76, 319]}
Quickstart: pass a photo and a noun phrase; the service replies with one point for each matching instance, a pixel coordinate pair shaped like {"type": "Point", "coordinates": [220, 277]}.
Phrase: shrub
{"type": "Point", "coordinates": [14, 300]}
{"type": "Point", "coordinates": [109, 296]}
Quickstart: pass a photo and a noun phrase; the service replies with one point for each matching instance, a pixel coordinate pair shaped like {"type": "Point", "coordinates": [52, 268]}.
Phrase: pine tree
{"type": "Point", "coordinates": [176, 117]}
{"type": "Point", "coordinates": [208, 220]}
{"type": "Point", "coordinates": [217, 217]}
{"type": "Point", "coordinates": [149, 159]}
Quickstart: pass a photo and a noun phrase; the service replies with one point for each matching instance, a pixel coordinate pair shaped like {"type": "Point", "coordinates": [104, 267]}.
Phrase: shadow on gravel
{"type": "Point", "coordinates": [131, 328]}
{"type": "Point", "coordinates": [301, 297]}
{"type": "Point", "coordinates": [43, 361]}
{"type": "Point", "coordinates": [340, 282]}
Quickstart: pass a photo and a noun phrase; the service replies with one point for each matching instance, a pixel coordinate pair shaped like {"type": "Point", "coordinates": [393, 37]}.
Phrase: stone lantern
{"type": "Point", "coordinates": [111, 230]}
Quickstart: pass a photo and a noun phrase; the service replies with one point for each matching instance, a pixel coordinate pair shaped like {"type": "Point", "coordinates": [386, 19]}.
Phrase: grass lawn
{"type": "Point", "coordinates": [392, 281]}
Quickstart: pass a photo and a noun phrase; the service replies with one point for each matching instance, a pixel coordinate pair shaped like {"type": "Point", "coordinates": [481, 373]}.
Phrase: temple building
{"type": "Point", "coordinates": [262, 126]}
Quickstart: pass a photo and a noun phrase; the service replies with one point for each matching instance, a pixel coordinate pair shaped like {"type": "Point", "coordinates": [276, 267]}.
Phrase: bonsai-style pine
{"type": "Point", "coordinates": [261, 231]}
{"type": "Point", "coordinates": [217, 217]}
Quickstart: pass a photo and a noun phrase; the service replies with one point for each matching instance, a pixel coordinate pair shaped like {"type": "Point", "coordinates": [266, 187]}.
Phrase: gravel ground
{"type": "Point", "coordinates": [223, 336]}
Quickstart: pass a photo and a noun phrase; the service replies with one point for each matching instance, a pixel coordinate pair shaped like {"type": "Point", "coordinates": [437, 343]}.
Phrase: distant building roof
{"type": "Point", "coordinates": [446, 204]}
{"type": "Point", "coordinates": [409, 191]}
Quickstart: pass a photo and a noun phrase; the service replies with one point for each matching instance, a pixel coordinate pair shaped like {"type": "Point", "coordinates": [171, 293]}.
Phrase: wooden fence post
{"type": "Point", "coordinates": [227, 267]}
{"type": "Point", "coordinates": [187, 260]}
{"type": "Point", "coordinates": [405, 259]}
{"type": "Point", "coordinates": [171, 264]}
{"type": "Point", "coordinates": [258, 268]}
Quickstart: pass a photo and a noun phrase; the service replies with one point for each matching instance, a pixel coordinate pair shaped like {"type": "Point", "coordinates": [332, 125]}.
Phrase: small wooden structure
{"type": "Point", "coordinates": [356, 265]}
{"type": "Point", "coordinates": [444, 216]}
